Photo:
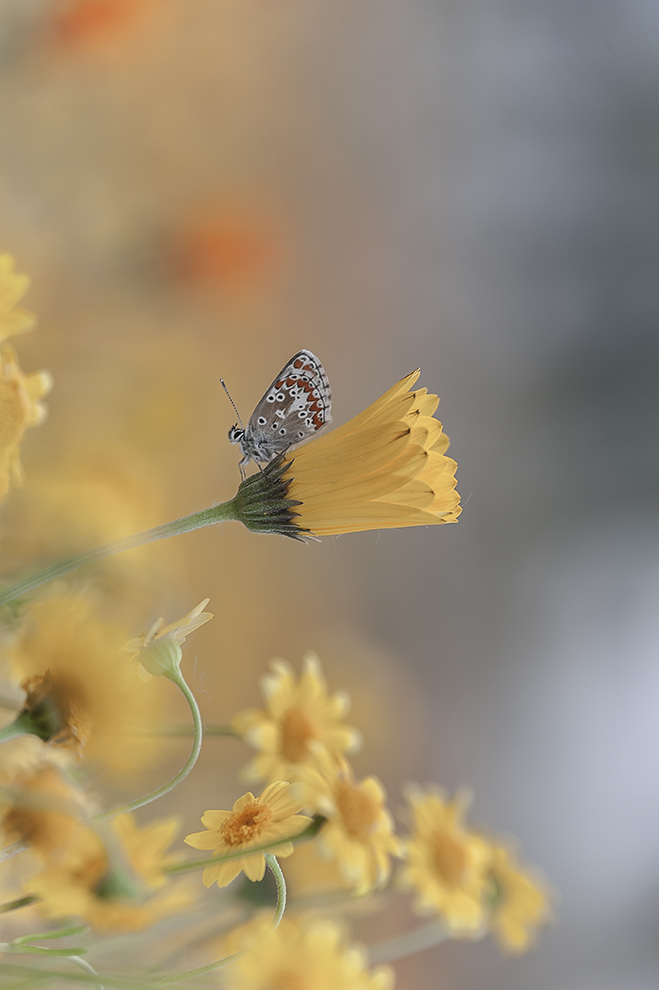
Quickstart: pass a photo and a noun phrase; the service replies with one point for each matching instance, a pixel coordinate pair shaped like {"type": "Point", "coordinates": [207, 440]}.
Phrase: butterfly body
{"type": "Point", "coordinates": [297, 404]}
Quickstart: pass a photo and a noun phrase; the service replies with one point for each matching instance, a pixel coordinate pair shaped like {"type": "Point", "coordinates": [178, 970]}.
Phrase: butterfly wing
{"type": "Point", "coordinates": [297, 405]}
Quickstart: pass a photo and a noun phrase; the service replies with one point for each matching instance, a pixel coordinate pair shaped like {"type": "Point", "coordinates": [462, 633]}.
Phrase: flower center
{"type": "Point", "coordinates": [359, 812]}
{"type": "Point", "coordinates": [245, 825]}
{"type": "Point", "coordinates": [448, 858]}
{"type": "Point", "coordinates": [296, 732]}
{"type": "Point", "coordinates": [57, 707]}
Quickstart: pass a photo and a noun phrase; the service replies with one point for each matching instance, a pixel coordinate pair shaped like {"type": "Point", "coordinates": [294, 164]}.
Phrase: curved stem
{"type": "Point", "coordinates": [280, 907]}
{"type": "Point", "coordinates": [196, 520]}
{"type": "Point", "coordinates": [178, 679]}
{"type": "Point", "coordinates": [275, 869]}
{"type": "Point", "coordinates": [307, 833]}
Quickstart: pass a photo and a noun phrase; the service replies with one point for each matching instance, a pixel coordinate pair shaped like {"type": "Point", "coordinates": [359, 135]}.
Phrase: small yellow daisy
{"type": "Point", "coordinates": [301, 954]}
{"type": "Point", "coordinates": [521, 901]}
{"type": "Point", "coordinates": [252, 822]}
{"type": "Point", "coordinates": [359, 832]}
{"type": "Point", "coordinates": [446, 866]}
{"type": "Point", "coordinates": [299, 715]}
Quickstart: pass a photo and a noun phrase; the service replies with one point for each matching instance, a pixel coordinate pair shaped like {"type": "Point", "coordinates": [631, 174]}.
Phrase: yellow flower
{"type": "Point", "coordinates": [359, 832]}
{"type": "Point", "coordinates": [13, 285]}
{"type": "Point", "coordinates": [384, 469]}
{"type": "Point", "coordinates": [298, 717]}
{"type": "Point", "coordinates": [111, 884]}
{"type": "Point", "coordinates": [302, 954]}
{"type": "Point", "coordinates": [522, 901]}
{"type": "Point", "coordinates": [20, 407]}
{"type": "Point", "coordinates": [40, 809]}
{"type": "Point", "coordinates": [252, 822]}
{"type": "Point", "coordinates": [154, 646]}
{"type": "Point", "coordinates": [447, 866]}
{"type": "Point", "coordinates": [80, 693]}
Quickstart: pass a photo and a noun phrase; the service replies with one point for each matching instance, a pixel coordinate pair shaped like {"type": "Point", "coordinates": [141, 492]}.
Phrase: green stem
{"type": "Point", "coordinates": [21, 726]}
{"type": "Point", "coordinates": [280, 907]}
{"type": "Point", "coordinates": [196, 520]}
{"type": "Point", "coordinates": [275, 869]}
{"type": "Point", "coordinates": [177, 678]}
{"type": "Point", "coordinates": [18, 903]}
{"type": "Point", "coordinates": [307, 833]}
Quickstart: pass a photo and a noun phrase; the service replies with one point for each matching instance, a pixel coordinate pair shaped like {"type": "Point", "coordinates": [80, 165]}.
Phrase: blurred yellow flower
{"type": "Point", "coordinates": [147, 646]}
{"type": "Point", "coordinates": [110, 884]}
{"type": "Point", "coordinates": [13, 286]}
{"type": "Point", "coordinates": [20, 407]}
{"type": "Point", "coordinates": [359, 831]}
{"type": "Point", "coordinates": [521, 901]}
{"type": "Point", "coordinates": [301, 954]}
{"type": "Point", "coordinates": [384, 469]}
{"type": "Point", "coordinates": [252, 822]}
{"type": "Point", "coordinates": [447, 866]}
{"type": "Point", "coordinates": [79, 688]}
{"type": "Point", "coordinates": [299, 716]}
{"type": "Point", "coordinates": [40, 809]}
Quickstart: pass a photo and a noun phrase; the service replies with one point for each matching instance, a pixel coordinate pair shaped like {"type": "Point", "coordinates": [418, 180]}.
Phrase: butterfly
{"type": "Point", "coordinates": [293, 408]}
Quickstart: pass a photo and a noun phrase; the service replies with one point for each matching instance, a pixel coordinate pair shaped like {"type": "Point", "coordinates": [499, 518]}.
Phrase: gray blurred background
{"type": "Point", "coordinates": [471, 188]}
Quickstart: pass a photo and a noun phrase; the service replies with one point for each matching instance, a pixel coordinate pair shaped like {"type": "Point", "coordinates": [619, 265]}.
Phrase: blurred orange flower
{"type": "Point", "coordinates": [78, 22]}
{"type": "Point", "coordinates": [232, 248]}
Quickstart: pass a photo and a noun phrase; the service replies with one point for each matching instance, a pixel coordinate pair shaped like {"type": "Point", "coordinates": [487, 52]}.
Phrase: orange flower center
{"type": "Point", "coordinates": [359, 812]}
{"type": "Point", "coordinates": [448, 858]}
{"type": "Point", "coordinates": [245, 825]}
{"type": "Point", "coordinates": [296, 732]}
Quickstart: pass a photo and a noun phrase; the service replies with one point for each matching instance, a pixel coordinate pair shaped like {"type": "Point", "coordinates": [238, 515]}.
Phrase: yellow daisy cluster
{"type": "Point", "coordinates": [85, 698]}
{"type": "Point", "coordinates": [300, 735]}
{"type": "Point", "coordinates": [472, 884]}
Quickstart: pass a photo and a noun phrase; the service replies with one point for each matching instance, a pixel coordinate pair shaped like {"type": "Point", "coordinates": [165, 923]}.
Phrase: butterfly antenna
{"type": "Point", "coordinates": [235, 407]}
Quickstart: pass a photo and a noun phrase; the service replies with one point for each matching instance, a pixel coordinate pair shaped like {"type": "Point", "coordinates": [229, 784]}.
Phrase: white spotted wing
{"type": "Point", "coordinates": [293, 409]}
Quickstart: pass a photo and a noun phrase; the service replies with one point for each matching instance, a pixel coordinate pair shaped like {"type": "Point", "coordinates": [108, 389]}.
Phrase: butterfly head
{"type": "Point", "coordinates": [236, 434]}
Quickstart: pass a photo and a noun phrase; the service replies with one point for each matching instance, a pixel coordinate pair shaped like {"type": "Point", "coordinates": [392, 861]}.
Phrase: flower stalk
{"type": "Point", "coordinates": [177, 678]}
